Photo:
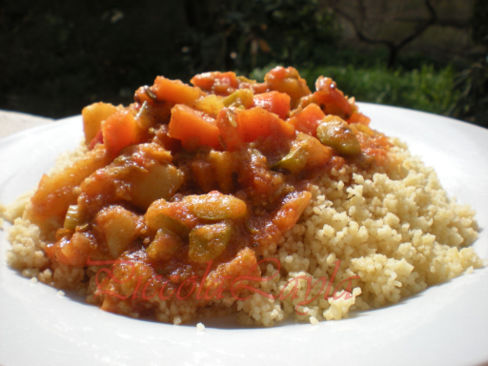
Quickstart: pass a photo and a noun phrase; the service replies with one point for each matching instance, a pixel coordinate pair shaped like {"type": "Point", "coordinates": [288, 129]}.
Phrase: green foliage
{"type": "Point", "coordinates": [59, 56]}
{"type": "Point", "coordinates": [424, 89]}
{"type": "Point", "coordinates": [480, 22]}
{"type": "Point", "coordinates": [472, 104]}
{"type": "Point", "coordinates": [246, 34]}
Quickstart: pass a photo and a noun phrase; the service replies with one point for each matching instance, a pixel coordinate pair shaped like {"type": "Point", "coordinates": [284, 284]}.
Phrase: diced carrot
{"type": "Point", "coordinates": [231, 140]}
{"type": "Point", "coordinates": [221, 83]}
{"type": "Point", "coordinates": [175, 91]}
{"type": "Point", "coordinates": [119, 130]}
{"type": "Point", "coordinates": [257, 122]}
{"type": "Point", "coordinates": [357, 117]}
{"type": "Point", "coordinates": [275, 102]}
{"type": "Point", "coordinates": [308, 119]}
{"type": "Point", "coordinates": [193, 128]}
{"type": "Point", "coordinates": [289, 213]}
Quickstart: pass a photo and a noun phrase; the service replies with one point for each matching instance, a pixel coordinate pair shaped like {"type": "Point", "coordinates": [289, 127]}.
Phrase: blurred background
{"type": "Point", "coordinates": [431, 55]}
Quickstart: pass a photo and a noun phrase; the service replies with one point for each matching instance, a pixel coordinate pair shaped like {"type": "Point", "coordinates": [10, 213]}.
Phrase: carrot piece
{"type": "Point", "coordinates": [257, 122]}
{"type": "Point", "coordinates": [289, 213]}
{"type": "Point", "coordinates": [229, 135]}
{"type": "Point", "coordinates": [308, 119]}
{"type": "Point", "coordinates": [119, 131]}
{"type": "Point", "coordinates": [275, 102]}
{"type": "Point", "coordinates": [175, 91]}
{"type": "Point", "coordinates": [193, 128]}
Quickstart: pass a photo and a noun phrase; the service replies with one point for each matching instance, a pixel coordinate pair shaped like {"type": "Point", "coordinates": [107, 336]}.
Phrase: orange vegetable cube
{"type": "Point", "coordinates": [119, 131]}
{"type": "Point", "coordinates": [275, 102]}
{"type": "Point", "coordinates": [258, 122]}
{"type": "Point", "coordinates": [229, 135]}
{"type": "Point", "coordinates": [193, 128]}
{"type": "Point", "coordinates": [175, 91]}
{"type": "Point", "coordinates": [308, 119]}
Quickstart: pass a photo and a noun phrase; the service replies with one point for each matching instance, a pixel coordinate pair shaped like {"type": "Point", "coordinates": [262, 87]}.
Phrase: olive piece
{"type": "Point", "coordinates": [337, 134]}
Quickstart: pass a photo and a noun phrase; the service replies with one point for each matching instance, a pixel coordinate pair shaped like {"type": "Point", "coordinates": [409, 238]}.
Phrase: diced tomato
{"type": "Point", "coordinates": [228, 130]}
{"type": "Point", "coordinates": [259, 87]}
{"type": "Point", "coordinates": [257, 122]}
{"type": "Point", "coordinates": [331, 98]}
{"type": "Point", "coordinates": [175, 91]}
{"type": "Point", "coordinates": [193, 128]}
{"type": "Point", "coordinates": [275, 102]}
{"type": "Point", "coordinates": [287, 80]}
{"type": "Point", "coordinates": [221, 83]}
{"type": "Point", "coordinates": [308, 119]}
{"type": "Point", "coordinates": [280, 72]}
{"type": "Point", "coordinates": [119, 130]}
{"type": "Point", "coordinates": [98, 139]}
{"type": "Point", "coordinates": [358, 117]}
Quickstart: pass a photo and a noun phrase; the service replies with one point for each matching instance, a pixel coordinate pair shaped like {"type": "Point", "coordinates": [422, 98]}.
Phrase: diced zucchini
{"type": "Point", "coordinates": [72, 218]}
{"type": "Point", "coordinates": [240, 98]}
{"type": "Point", "coordinates": [306, 152]}
{"type": "Point", "coordinates": [164, 245]}
{"type": "Point", "coordinates": [207, 242]}
{"type": "Point", "coordinates": [216, 206]}
{"type": "Point", "coordinates": [168, 216]}
{"type": "Point", "coordinates": [334, 132]}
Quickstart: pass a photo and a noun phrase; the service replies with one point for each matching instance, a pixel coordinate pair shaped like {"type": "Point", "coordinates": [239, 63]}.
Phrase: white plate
{"type": "Point", "coordinates": [446, 324]}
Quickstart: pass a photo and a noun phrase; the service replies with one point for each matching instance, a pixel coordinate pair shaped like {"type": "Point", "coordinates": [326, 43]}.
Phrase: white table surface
{"type": "Point", "coordinates": [12, 122]}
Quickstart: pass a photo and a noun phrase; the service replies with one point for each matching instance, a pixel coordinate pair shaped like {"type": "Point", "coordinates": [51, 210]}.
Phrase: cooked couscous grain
{"type": "Point", "coordinates": [383, 235]}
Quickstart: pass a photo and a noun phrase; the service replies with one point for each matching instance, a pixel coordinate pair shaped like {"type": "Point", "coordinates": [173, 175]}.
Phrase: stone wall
{"type": "Point", "coordinates": [448, 36]}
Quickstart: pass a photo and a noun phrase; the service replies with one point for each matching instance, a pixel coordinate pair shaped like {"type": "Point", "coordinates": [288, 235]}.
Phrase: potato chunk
{"type": "Point", "coordinates": [158, 181]}
{"type": "Point", "coordinates": [93, 116]}
{"type": "Point", "coordinates": [119, 228]}
{"type": "Point", "coordinates": [56, 191]}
